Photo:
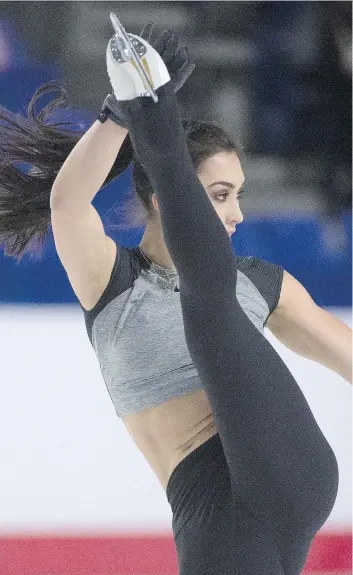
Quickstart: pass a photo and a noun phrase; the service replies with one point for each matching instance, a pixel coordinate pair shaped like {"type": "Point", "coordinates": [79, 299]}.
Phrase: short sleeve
{"type": "Point", "coordinates": [266, 276]}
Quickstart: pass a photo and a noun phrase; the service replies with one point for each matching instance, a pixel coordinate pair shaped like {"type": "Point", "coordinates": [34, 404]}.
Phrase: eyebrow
{"type": "Point", "coordinates": [227, 185]}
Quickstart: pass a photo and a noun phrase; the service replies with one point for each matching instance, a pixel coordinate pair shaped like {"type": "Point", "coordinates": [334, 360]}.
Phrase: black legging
{"type": "Point", "coordinates": [279, 461]}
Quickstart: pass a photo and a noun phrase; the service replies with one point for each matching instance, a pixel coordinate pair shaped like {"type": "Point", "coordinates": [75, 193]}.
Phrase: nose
{"type": "Point", "coordinates": [240, 218]}
{"type": "Point", "coordinates": [237, 216]}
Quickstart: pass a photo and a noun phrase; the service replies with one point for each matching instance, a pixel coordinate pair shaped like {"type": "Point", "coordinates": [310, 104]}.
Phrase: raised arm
{"type": "Point", "coordinates": [84, 249]}
{"type": "Point", "coordinates": [87, 166]}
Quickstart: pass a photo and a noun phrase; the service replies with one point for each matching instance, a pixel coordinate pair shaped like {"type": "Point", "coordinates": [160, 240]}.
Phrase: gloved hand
{"type": "Point", "coordinates": [176, 57]}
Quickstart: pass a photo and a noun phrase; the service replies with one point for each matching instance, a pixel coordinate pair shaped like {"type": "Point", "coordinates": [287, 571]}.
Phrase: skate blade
{"type": "Point", "coordinates": [125, 48]}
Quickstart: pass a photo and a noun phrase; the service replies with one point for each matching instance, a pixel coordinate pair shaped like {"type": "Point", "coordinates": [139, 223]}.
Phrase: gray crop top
{"type": "Point", "coordinates": [136, 328]}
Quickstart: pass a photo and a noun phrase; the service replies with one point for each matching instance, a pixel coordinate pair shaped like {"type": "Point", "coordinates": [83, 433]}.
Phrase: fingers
{"type": "Point", "coordinates": [168, 45]}
{"type": "Point", "coordinates": [173, 52]}
{"type": "Point", "coordinates": [181, 56]}
{"type": "Point", "coordinates": [171, 47]}
{"type": "Point", "coordinates": [182, 75]}
{"type": "Point", "coordinates": [146, 32]}
{"type": "Point", "coordinates": [162, 40]}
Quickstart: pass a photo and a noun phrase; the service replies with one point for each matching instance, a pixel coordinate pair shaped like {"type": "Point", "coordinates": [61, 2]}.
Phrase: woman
{"type": "Point", "coordinates": [247, 471]}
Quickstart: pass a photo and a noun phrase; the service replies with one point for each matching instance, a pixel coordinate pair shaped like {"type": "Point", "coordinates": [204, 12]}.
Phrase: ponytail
{"type": "Point", "coordinates": [25, 193]}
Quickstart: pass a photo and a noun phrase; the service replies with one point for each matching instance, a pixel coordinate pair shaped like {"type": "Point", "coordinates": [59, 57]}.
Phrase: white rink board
{"type": "Point", "coordinates": [67, 462]}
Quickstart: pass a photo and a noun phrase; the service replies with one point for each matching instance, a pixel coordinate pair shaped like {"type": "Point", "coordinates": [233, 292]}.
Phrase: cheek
{"type": "Point", "coordinates": [219, 210]}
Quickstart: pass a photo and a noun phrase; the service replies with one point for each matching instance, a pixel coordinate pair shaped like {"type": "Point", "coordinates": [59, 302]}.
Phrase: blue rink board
{"type": "Point", "coordinates": [295, 242]}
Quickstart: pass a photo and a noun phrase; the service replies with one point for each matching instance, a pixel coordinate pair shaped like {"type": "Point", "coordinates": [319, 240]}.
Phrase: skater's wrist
{"type": "Point", "coordinates": [112, 111]}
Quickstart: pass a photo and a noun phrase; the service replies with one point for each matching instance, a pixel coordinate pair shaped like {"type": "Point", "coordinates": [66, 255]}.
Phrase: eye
{"type": "Point", "coordinates": [224, 195]}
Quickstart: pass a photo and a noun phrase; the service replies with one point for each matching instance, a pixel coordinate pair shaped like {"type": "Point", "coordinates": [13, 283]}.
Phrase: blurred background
{"type": "Point", "coordinates": [278, 77]}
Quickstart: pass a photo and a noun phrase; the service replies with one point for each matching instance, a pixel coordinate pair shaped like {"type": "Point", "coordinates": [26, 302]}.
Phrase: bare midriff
{"type": "Point", "coordinates": [166, 434]}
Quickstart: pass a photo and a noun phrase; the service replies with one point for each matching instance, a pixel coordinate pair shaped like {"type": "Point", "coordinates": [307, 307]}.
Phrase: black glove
{"type": "Point", "coordinates": [176, 57]}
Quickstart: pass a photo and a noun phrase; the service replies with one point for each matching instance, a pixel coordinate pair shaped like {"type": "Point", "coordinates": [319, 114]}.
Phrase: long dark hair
{"type": "Point", "coordinates": [43, 145]}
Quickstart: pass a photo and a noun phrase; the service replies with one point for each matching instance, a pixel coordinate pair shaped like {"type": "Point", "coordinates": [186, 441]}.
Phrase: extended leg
{"type": "Point", "coordinates": [278, 458]}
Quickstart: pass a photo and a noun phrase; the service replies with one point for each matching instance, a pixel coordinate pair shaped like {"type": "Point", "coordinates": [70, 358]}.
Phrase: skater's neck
{"type": "Point", "coordinates": [154, 246]}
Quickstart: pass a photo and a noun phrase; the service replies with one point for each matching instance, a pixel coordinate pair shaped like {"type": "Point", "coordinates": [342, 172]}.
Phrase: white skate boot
{"type": "Point", "coordinates": [134, 67]}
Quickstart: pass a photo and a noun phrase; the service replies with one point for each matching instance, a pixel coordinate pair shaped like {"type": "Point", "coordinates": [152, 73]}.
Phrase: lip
{"type": "Point", "coordinates": [231, 232]}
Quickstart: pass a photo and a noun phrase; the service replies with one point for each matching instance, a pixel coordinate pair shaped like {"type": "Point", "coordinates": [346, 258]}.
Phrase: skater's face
{"type": "Point", "coordinates": [222, 177]}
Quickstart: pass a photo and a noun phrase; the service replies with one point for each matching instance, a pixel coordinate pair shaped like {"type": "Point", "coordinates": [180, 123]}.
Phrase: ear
{"type": "Point", "coordinates": [155, 202]}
